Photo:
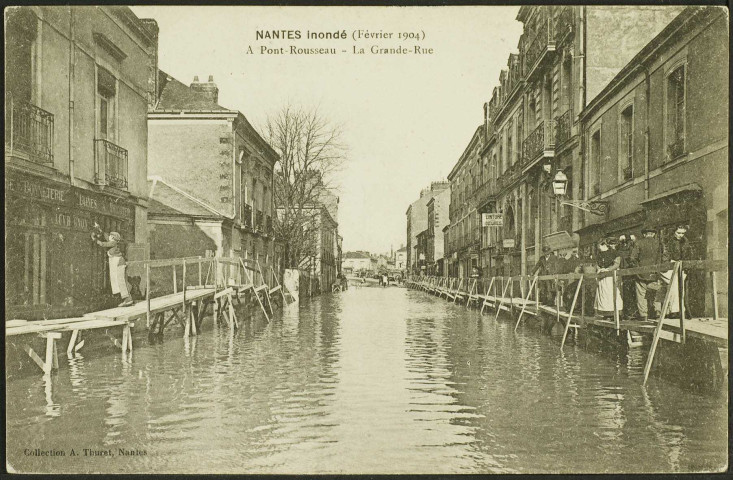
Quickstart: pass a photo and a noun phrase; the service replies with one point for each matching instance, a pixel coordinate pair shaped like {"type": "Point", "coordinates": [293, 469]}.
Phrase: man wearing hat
{"type": "Point", "coordinates": [646, 253]}
{"type": "Point", "coordinates": [545, 266]}
{"type": "Point", "coordinates": [115, 245]}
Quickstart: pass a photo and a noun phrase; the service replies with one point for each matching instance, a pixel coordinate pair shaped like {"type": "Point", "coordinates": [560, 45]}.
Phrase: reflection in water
{"type": "Point", "coordinates": [367, 381]}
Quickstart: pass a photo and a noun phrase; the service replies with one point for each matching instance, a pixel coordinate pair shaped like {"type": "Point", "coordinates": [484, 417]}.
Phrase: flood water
{"type": "Point", "coordinates": [369, 381]}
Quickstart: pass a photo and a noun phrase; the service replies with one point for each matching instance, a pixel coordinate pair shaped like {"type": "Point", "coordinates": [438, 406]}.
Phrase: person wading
{"type": "Point", "coordinates": [115, 253]}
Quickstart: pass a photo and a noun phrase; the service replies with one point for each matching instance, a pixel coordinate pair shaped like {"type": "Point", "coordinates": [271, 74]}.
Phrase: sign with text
{"type": "Point", "coordinates": [508, 243]}
{"type": "Point", "coordinates": [492, 219]}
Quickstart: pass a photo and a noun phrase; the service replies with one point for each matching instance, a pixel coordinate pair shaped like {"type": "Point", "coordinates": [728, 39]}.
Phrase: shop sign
{"type": "Point", "coordinates": [492, 219]}
{"type": "Point", "coordinates": [69, 197]}
{"type": "Point", "coordinates": [508, 243]}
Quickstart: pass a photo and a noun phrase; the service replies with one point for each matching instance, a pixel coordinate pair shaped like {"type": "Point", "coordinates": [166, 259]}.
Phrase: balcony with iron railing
{"type": "Point", "coordinates": [540, 143]}
{"type": "Point", "coordinates": [247, 215]}
{"type": "Point", "coordinates": [486, 192]}
{"type": "Point", "coordinates": [539, 46]}
{"type": "Point", "coordinates": [564, 126]}
{"type": "Point", "coordinates": [259, 221]}
{"type": "Point", "coordinates": [28, 130]}
{"type": "Point", "coordinates": [110, 164]}
{"type": "Point", "coordinates": [564, 23]}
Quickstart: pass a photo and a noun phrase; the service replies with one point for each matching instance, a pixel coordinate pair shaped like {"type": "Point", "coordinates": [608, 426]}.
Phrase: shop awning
{"type": "Point", "coordinates": [691, 188]}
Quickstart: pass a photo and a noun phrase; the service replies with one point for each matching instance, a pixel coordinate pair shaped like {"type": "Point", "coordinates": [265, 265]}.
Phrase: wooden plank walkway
{"type": "Point", "coordinates": [157, 305]}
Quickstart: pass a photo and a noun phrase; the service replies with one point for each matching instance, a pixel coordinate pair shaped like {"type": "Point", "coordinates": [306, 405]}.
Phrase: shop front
{"type": "Point", "coordinates": [52, 266]}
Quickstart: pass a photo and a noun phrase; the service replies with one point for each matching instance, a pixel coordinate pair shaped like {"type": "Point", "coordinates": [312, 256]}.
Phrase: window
{"type": "Point", "coordinates": [106, 105]}
{"type": "Point", "coordinates": [519, 137]}
{"type": "Point", "coordinates": [509, 146]}
{"type": "Point", "coordinates": [675, 132]}
{"type": "Point", "coordinates": [594, 168]}
{"type": "Point", "coordinates": [21, 33]}
{"type": "Point", "coordinates": [626, 144]}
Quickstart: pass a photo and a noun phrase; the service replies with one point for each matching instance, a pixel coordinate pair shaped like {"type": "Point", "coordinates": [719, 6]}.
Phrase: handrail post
{"type": "Point", "coordinates": [175, 280]}
{"type": "Point", "coordinates": [660, 325]}
{"type": "Point", "coordinates": [147, 293]}
{"type": "Point", "coordinates": [681, 299]}
{"type": "Point", "coordinates": [715, 295]}
{"type": "Point", "coordinates": [199, 264]}
{"type": "Point", "coordinates": [615, 307]}
{"type": "Point", "coordinates": [184, 286]}
{"type": "Point", "coordinates": [557, 298]}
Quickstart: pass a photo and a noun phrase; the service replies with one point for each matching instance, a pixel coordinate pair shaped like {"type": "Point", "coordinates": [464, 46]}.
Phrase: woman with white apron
{"type": "Point", "coordinates": [674, 250]}
{"type": "Point", "coordinates": [608, 261]}
{"type": "Point", "coordinates": [117, 265]}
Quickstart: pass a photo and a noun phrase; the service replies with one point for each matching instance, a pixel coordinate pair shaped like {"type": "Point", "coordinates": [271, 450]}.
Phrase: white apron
{"type": "Point", "coordinates": [117, 279]}
{"type": "Point", "coordinates": [674, 292]}
{"type": "Point", "coordinates": [604, 296]}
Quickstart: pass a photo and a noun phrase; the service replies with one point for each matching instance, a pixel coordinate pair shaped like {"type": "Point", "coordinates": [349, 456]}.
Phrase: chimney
{"type": "Point", "coordinates": [207, 88]}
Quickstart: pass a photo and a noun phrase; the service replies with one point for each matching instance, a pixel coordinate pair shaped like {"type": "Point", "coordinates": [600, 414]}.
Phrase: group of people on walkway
{"type": "Point", "coordinates": [636, 296]}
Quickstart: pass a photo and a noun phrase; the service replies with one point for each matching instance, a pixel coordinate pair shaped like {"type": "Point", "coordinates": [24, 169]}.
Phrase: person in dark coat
{"type": "Point", "coordinates": [572, 264]}
{"type": "Point", "coordinates": [627, 249]}
{"type": "Point", "coordinates": [546, 266]}
{"type": "Point", "coordinates": [646, 254]}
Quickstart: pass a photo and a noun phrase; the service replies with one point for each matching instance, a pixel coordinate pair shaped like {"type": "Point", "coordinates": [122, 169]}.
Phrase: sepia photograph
{"type": "Point", "coordinates": [351, 239]}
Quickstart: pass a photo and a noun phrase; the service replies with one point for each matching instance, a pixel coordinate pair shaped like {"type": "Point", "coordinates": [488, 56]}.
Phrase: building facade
{"type": "Point", "coordinates": [400, 258]}
{"type": "Point", "coordinates": [417, 221]}
{"type": "Point", "coordinates": [565, 57]}
{"type": "Point", "coordinates": [78, 84]}
{"type": "Point", "coordinates": [215, 155]}
{"type": "Point", "coordinates": [464, 178]}
{"type": "Point", "coordinates": [355, 262]}
{"type": "Point", "coordinates": [438, 217]}
{"type": "Point", "coordinates": [656, 148]}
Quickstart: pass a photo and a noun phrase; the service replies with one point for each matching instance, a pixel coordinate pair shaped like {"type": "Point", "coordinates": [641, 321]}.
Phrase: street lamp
{"type": "Point", "coordinates": [560, 183]}
{"type": "Point", "coordinates": [559, 188]}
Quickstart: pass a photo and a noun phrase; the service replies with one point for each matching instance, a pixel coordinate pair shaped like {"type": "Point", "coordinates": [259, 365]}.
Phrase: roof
{"type": "Point", "coordinates": [403, 249]}
{"type": "Point", "coordinates": [165, 199]}
{"type": "Point", "coordinates": [687, 188]}
{"type": "Point", "coordinates": [356, 255]}
{"type": "Point", "coordinates": [474, 139]}
{"type": "Point", "coordinates": [174, 95]}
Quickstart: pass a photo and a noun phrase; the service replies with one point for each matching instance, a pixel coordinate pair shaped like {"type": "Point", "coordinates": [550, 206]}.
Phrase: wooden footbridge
{"type": "Point", "coordinates": [197, 284]}
{"type": "Point", "coordinates": [520, 295]}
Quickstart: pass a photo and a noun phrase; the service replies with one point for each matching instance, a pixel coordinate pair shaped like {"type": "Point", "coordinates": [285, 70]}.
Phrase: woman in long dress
{"type": "Point", "coordinates": [117, 265]}
{"type": "Point", "coordinates": [608, 261]}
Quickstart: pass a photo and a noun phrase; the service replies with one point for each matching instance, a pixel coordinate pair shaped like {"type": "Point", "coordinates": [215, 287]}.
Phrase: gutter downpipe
{"type": "Point", "coordinates": [72, 61]}
{"type": "Point", "coordinates": [647, 87]}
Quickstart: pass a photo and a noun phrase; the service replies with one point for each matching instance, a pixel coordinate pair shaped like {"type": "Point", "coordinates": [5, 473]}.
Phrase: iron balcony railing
{"type": "Point", "coordinates": [259, 221]}
{"type": "Point", "coordinates": [29, 129]}
{"type": "Point", "coordinates": [110, 164]}
{"type": "Point", "coordinates": [543, 41]}
{"type": "Point", "coordinates": [247, 215]}
{"type": "Point", "coordinates": [540, 140]}
{"type": "Point", "coordinates": [564, 124]}
{"type": "Point", "coordinates": [486, 191]}
{"type": "Point", "coordinates": [564, 26]}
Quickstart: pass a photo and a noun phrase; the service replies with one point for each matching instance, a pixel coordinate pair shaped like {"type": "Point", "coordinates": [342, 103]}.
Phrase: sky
{"type": "Point", "coordinates": [406, 118]}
